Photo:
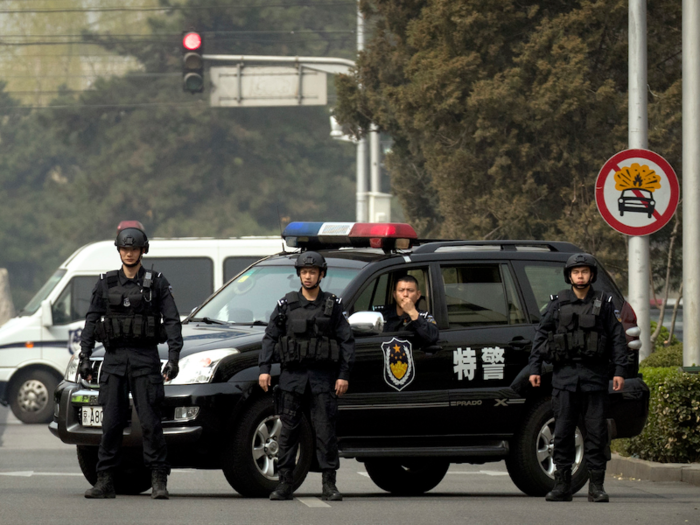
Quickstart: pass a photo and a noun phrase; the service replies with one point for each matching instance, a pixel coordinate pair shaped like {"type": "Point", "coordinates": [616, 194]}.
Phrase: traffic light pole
{"type": "Point", "coordinates": [333, 66]}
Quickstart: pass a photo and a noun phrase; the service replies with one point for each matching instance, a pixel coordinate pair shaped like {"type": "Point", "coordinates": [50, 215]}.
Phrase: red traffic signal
{"type": "Point", "coordinates": [192, 62]}
{"type": "Point", "coordinates": [192, 41]}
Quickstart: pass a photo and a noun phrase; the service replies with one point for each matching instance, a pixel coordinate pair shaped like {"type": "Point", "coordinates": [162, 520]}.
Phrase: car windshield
{"type": "Point", "coordinates": [252, 296]}
{"type": "Point", "coordinates": [43, 293]}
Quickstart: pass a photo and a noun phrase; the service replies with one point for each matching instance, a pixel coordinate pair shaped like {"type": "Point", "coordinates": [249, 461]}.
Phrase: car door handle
{"type": "Point", "coordinates": [520, 343]}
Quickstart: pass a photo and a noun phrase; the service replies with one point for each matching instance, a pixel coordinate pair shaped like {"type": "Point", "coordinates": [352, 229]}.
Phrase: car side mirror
{"type": "Point", "coordinates": [46, 315]}
{"type": "Point", "coordinates": [367, 323]}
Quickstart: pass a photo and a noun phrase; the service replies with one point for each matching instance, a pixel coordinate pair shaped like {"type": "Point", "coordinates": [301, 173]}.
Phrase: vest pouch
{"type": "Point", "coordinates": [323, 324]}
{"type": "Point", "coordinates": [313, 349]}
{"type": "Point", "coordinates": [586, 321]}
{"type": "Point", "coordinates": [276, 357]}
{"type": "Point", "coordinates": [150, 326]}
{"type": "Point", "coordinates": [100, 332]}
{"type": "Point", "coordinates": [323, 353]}
{"type": "Point", "coordinates": [566, 317]}
{"type": "Point", "coordinates": [116, 328]}
{"type": "Point", "coordinates": [298, 326]}
{"type": "Point", "coordinates": [303, 350]}
{"type": "Point", "coordinates": [293, 355]}
{"type": "Point", "coordinates": [138, 326]}
{"type": "Point", "coordinates": [560, 345]}
{"type": "Point", "coordinates": [135, 300]}
{"type": "Point", "coordinates": [577, 340]}
{"type": "Point", "coordinates": [592, 345]}
{"type": "Point", "coordinates": [115, 299]}
{"type": "Point", "coordinates": [126, 327]}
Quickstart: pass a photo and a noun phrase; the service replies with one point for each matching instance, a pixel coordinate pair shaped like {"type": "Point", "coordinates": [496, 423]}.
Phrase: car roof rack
{"type": "Point", "coordinates": [432, 246]}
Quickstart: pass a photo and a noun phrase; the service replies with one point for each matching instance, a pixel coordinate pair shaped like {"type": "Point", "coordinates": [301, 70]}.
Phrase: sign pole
{"type": "Point", "coordinates": [691, 184]}
{"type": "Point", "coordinates": [638, 139]}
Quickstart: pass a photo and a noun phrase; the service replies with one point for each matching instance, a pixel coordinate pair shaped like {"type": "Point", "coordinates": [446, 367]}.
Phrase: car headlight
{"type": "Point", "coordinates": [200, 367]}
{"type": "Point", "coordinates": [72, 369]}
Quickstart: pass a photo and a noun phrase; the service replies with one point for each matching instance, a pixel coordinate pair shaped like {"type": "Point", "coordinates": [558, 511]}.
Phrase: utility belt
{"type": "Point", "coordinates": [306, 351]}
{"type": "Point", "coordinates": [130, 330]}
{"type": "Point", "coordinates": [576, 345]}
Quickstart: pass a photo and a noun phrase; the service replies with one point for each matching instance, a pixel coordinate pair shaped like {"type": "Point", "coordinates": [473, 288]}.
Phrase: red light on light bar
{"type": "Point", "coordinates": [130, 224]}
{"type": "Point", "coordinates": [391, 230]}
{"type": "Point", "coordinates": [192, 41]}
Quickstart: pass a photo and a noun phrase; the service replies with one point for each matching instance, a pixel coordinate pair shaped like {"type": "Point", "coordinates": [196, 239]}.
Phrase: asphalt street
{"type": "Point", "coordinates": [40, 482]}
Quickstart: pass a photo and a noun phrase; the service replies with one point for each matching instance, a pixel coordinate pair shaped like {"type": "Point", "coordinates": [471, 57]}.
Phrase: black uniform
{"type": "Point", "coordinates": [314, 344]}
{"type": "Point", "coordinates": [580, 338]}
{"type": "Point", "coordinates": [126, 315]}
{"type": "Point", "coordinates": [424, 327]}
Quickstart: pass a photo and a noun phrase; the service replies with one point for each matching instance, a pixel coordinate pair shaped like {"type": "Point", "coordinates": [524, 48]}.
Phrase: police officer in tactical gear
{"type": "Point", "coordinates": [404, 315]}
{"type": "Point", "coordinates": [580, 334]}
{"type": "Point", "coordinates": [309, 335]}
{"type": "Point", "coordinates": [132, 310]}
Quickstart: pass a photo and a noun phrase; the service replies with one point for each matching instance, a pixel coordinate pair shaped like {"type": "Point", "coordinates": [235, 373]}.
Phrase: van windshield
{"type": "Point", "coordinates": [254, 294]}
{"type": "Point", "coordinates": [35, 303]}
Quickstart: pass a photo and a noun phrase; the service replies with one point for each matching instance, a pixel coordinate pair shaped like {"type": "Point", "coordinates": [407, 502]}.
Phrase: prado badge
{"type": "Point", "coordinates": [399, 369]}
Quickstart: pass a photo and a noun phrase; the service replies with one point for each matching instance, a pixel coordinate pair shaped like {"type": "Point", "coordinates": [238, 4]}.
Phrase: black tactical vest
{"type": "Point", "coordinates": [133, 317]}
{"type": "Point", "coordinates": [308, 332]}
{"type": "Point", "coordinates": [580, 333]}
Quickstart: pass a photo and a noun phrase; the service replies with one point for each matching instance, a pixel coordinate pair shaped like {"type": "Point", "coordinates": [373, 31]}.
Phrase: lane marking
{"type": "Point", "coordinates": [30, 473]}
{"type": "Point", "coordinates": [493, 472]}
{"type": "Point", "coordinates": [458, 472]}
{"type": "Point", "coordinates": [313, 502]}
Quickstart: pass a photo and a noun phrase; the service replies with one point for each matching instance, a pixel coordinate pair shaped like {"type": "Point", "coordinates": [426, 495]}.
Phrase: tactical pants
{"type": "Point", "coordinates": [569, 408]}
{"type": "Point", "coordinates": [324, 410]}
{"type": "Point", "coordinates": [147, 391]}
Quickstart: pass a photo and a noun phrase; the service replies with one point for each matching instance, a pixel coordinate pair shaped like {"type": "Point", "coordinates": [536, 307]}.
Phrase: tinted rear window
{"type": "Point", "coordinates": [192, 278]}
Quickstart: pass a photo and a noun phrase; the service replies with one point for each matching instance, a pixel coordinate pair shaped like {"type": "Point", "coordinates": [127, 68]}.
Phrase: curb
{"type": "Point", "coordinates": [652, 471]}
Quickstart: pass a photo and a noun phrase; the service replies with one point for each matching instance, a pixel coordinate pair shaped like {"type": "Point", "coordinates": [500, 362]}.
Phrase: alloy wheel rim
{"type": "Point", "coordinates": [545, 449]}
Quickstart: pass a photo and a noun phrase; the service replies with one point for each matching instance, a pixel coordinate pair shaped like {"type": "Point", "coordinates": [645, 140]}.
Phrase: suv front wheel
{"type": "Point", "coordinates": [132, 477]}
{"type": "Point", "coordinates": [250, 457]}
{"type": "Point", "coordinates": [406, 477]}
{"type": "Point", "coordinates": [531, 464]}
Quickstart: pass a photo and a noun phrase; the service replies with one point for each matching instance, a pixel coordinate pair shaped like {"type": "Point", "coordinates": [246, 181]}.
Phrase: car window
{"type": "Point", "coordinates": [475, 295]}
{"type": "Point", "coordinates": [379, 292]}
{"type": "Point", "coordinates": [235, 265]}
{"type": "Point", "coordinates": [545, 279]}
{"type": "Point", "coordinates": [73, 303]}
{"type": "Point", "coordinates": [192, 278]}
{"type": "Point", "coordinates": [516, 313]}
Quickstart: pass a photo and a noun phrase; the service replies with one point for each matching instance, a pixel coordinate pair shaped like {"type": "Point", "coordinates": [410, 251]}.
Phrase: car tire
{"type": "Point", "coordinates": [31, 396]}
{"type": "Point", "coordinates": [250, 457]}
{"type": "Point", "coordinates": [129, 479]}
{"type": "Point", "coordinates": [530, 463]}
{"type": "Point", "coordinates": [406, 477]}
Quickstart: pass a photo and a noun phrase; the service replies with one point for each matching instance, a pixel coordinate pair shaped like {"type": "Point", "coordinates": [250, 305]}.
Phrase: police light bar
{"type": "Point", "coordinates": [130, 224]}
{"type": "Point", "coordinates": [382, 235]}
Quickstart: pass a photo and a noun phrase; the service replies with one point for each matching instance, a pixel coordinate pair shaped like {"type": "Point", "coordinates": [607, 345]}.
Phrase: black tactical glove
{"type": "Point", "coordinates": [84, 367]}
{"type": "Point", "coordinates": [171, 370]}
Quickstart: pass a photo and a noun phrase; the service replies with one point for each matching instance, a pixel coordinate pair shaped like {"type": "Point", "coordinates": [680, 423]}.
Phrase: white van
{"type": "Point", "coordinates": [36, 345]}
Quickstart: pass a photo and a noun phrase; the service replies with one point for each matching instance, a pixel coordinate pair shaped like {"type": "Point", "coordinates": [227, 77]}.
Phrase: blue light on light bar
{"type": "Point", "coordinates": [302, 229]}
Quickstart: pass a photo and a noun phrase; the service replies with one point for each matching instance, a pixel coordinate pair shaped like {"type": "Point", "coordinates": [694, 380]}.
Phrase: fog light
{"type": "Point", "coordinates": [55, 410]}
{"type": "Point", "coordinates": [186, 413]}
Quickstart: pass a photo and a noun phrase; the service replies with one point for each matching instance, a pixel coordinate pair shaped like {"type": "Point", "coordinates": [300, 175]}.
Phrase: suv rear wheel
{"type": "Point", "coordinates": [250, 457]}
{"type": "Point", "coordinates": [130, 478]}
{"type": "Point", "coordinates": [531, 464]}
{"type": "Point", "coordinates": [409, 477]}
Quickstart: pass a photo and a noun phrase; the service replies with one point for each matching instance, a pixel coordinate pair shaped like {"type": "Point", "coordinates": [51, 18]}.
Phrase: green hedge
{"type": "Point", "coordinates": [664, 356]}
{"type": "Point", "coordinates": [672, 432]}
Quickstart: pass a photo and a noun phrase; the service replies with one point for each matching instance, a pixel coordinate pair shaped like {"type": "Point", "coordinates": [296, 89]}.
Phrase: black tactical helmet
{"type": "Point", "coordinates": [310, 260]}
{"type": "Point", "coordinates": [581, 259]}
{"type": "Point", "coordinates": [131, 234]}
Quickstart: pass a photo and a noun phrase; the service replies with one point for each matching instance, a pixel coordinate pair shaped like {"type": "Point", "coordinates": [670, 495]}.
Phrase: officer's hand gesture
{"type": "Point", "coordinates": [265, 381]}
{"type": "Point", "coordinates": [535, 380]}
{"type": "Point", "coordinates": [341, 386]}
{"type": "Point", "coordinates": [618, 383]}
{"type": "Point", "coordinates": [407, 306]}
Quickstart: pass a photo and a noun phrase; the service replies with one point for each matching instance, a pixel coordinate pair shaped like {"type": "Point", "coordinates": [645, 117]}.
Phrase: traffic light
{"type": "Point", "coordinates": [192, 62]}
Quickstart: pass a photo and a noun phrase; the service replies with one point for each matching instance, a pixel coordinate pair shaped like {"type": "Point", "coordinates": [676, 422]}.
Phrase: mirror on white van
{"type": "Point", "coordinates": [46, 316]}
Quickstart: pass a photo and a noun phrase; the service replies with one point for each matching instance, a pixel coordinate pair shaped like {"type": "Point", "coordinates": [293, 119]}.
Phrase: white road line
{"type": "Point", "coordinates": [462, 472]}
{"type": "Point", "coordinates": [313, 502]}
{"type": "Point", "coordinates": [363, 474]}
{"type": "Point", "coordinates": [30, 473]}
{"type": "Point", "coordinates": [493, 472]}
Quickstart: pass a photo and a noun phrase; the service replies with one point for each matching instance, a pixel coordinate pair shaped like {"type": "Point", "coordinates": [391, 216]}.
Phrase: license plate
{"type": "Point", "coordinates": [91, 416]}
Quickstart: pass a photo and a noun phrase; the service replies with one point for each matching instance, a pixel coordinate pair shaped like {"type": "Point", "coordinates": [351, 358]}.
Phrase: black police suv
{"type": "Point", "coordinates": [411, 410]}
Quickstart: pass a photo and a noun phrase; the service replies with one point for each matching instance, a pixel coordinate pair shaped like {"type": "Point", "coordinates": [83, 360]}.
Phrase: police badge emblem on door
{"type": "Point", "coordinates": [399, 368]}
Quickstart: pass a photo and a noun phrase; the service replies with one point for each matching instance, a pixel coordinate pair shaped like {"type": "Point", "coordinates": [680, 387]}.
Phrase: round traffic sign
{"type": "Point", "coordinates": [637, 192]}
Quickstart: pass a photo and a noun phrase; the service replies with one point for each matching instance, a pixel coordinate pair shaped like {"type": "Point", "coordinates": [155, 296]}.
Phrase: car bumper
{"type": "Point", "coordinates": [213, 401]}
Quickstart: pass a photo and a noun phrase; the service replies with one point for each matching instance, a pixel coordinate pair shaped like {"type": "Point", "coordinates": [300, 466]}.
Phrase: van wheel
{"type": "Point", "coordinates": [130, 479]}
{"type": "Point", "coordinates": [531, 463]}
{"type": "Point", "coordinates": [406, 477]}
{"type": "Point", "coordinates": [31, 396]}
{"type": "Point", "coordinates": [250, 457]}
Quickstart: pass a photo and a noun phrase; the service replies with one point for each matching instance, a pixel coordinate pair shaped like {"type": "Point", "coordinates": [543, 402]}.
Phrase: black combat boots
{"type": "Point", "coordinates": [159, 481]}
{"type": "Point", "coordinates": [596, 492]}
{"type": "Point", "coordinates": [284, 489]}
{"type": "Point", "coordinates": [104, 488]}
{"type": "Point", "coordinates": [562, 486]}
{"type": "Point", "coordinates": [330, 491]}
